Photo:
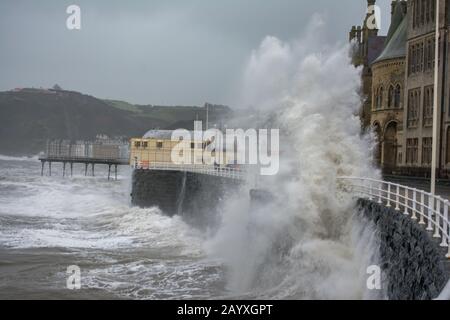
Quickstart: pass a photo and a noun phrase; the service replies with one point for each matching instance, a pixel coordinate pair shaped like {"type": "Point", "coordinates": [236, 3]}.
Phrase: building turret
{"type": "Point", "coordinates": [368, 46]}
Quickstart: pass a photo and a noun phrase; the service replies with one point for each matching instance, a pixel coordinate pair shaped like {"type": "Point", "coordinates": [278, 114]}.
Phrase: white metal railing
{"type": "Point", "coordinates": [429, 210]}
{"type": "Point", "coordinates": [218, 171]}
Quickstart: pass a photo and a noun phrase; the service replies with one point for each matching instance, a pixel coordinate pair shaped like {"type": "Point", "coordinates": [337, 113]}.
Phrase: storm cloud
{"type": "Point", "coordinates": [157, 51]}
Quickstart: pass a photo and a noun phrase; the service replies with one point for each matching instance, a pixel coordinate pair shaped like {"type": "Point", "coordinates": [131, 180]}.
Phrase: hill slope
{"type": "Point", "coordinates": [31, 116]}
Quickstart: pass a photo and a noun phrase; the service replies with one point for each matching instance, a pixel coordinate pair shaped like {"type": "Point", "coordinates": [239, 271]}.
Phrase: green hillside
{"type": "Point", "coordinates": [29, 117]}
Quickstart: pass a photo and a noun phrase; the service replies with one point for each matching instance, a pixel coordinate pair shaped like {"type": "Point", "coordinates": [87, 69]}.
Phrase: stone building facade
{"type": "Point", "coordinates": [367, 47]}
{"type": "Point", "coordinates": [388, 83]}
{"type": "Point", "coordinates": [419, 88]}
{"type": "Point", "coordinates": [402, 87]}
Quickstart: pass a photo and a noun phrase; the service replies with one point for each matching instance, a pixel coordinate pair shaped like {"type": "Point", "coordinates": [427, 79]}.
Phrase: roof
{"type": "Point", "coordinates": [376, 45]}
{"type": "Point", "coordinates": [395, 46]}
{"type": "Point", "coordinates": [158, 134]}
{"type": "Point", "coordinates": [396, 20]}
{"type": "Point", "coordinates": [163, 134]}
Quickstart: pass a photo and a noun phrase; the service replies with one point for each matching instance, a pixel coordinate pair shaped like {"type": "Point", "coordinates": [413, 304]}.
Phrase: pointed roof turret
{"type": "Point", "coordinates": [397, 18]}
{"type": "Point", "coordinates": [396, 45]}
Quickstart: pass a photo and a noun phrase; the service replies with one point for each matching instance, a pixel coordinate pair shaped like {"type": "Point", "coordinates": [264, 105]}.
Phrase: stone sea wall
{"type": "Point", "coordinates": [193, 195]}
{"type": "Point", "coordinates": [411, 260]}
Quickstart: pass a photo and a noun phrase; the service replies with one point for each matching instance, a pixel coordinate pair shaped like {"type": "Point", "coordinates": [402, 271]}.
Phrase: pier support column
{"type": "Point", "coordinates": [42, 168]}
{"type": "Point", "coordinates": [85, 169]}
{"type": "Point", "coordinates": [109, 171]}
{"type": "Point", "coordinates": [64, 169]}
{"type": "Point", "coordinates": [71, 169]}
{"type": "Point", "coordinates": [116, 170]}
{"type": "Point", "coordinates": [50, 168]}
{"type": "Point", "coordinates": [93, 170]}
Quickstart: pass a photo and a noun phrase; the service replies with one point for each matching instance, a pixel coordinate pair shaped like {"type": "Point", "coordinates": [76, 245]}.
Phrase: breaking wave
{"type": "Point", "coordinates": [305, 244]}
{"type": "Point", "coordinates": [24, 158]}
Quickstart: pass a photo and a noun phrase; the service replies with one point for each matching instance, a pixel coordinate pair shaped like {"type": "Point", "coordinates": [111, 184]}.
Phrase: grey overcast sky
{"type": "Point", "coordinates": [181, 52]}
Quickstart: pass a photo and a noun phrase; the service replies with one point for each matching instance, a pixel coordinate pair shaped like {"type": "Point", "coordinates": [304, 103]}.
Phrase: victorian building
{"type": "Point", "coordinates": [402, 88]}
{"type": "Point", "coordinates": [388, 83]}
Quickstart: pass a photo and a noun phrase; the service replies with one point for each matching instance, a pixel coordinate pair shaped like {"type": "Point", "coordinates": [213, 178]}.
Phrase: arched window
{"type": "Point", "coordinates": [375, 105]}
{"type": "Point", "coordinates": [377, 99]}
{"type": "Point", "coordinates": [391, 97]}
{"type": "Point", "coordinates": [390, 145]}
{"type": "Point", "coordinates": [380, 98]}
{"type": "Point", "coordinates": [377, 130]}
{"type": "Point", "coordinates": [397, 96]}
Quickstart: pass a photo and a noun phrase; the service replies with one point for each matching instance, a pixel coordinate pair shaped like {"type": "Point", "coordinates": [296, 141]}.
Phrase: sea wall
{"type": "Point", "coordinates": [411, 260]}
{"type": "Point", "coordinates": [195, 196]}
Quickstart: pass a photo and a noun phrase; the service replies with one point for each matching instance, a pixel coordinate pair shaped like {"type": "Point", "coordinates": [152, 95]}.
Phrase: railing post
{"type": "Point", "coordinates": [380, 187]}
{"type": "Point", "coordinates": [406, 201]}
{"type": "Point", "coordinates": [446, 233]}
{"type": "Point", "coordinates": [422, 208]}
{"type": "Point", "coordinates": [388, 195]}
{"type": "Point", "coordinates": [414, 205]}
{"type": "Point", "coordinates": [397, 199]}
{"type": "Point", "coordinates": [437, 216]}
{"type": "Point", "coordinates": [429, 207]}
{"type": "Point", "coordinates": [430, 212]}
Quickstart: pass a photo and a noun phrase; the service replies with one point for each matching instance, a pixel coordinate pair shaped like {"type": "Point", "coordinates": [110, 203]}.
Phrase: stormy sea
{"type": "Point", "coordinates": [50, 223]}
{"type": "Point", "coordinates": [306, 244]}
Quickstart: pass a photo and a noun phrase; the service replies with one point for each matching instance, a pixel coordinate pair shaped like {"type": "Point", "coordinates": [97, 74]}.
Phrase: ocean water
{"type": "Point", "coordinates": [306, 244]}
{"type": "Point", "coordinates": [50, 223]}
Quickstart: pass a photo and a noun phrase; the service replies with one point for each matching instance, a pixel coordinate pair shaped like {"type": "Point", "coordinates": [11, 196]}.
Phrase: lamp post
{"type": "Point", "coordinates": [434, 155]}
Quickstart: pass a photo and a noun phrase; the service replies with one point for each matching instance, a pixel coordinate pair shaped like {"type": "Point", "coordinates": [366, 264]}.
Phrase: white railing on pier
{"type": "Point", "coordinates": [218, 171]}
{"type": "Point", "coordinates": [428, 210]}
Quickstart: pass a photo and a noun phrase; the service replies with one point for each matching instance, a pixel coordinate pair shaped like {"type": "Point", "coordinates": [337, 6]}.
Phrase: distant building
{"type": "Point", "coordinates": [156, 146]}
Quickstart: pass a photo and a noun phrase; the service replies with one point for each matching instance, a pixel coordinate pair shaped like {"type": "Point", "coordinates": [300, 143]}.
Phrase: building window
{"type": "Point", "coordinates": [391, 97]}
{"type": "Point", "coordinates": [192, 145]}
{"type": "Point", "coordinates": [427, 144]}
{"type": "Point", "coordinates": [144, 144]}
{"type": "Point", "coordinates": [413, 108]}
{"type": "Point", "coordinates": [137, 144]}
{"type": "Point", "coordinates": [421, 57]}
{"type": "Point", "coordinates": [415, 14]}
{"type": "Point", "coordinates": [432, 11]}
{"type": "Point", "coordinates": [422, 12]}
{"type": "Point", "coordinates": [159, 144]}
{"type": "Point", "coordinates": [431, 51]}
{"type": "Point", "coordinates": [412, 146]}
{"type": "Point", "coordinates": [379, 99]}
{"type": "Point", "coordinates": [428, 106]}
{"type": "Point", "coordinates": [397, 96]}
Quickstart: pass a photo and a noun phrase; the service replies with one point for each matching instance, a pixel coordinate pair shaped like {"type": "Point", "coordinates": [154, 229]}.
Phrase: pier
{"type": "Point", "coordinates": [89, 154]}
